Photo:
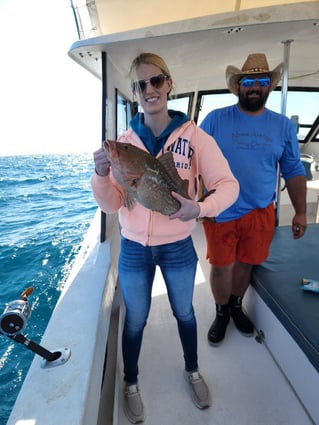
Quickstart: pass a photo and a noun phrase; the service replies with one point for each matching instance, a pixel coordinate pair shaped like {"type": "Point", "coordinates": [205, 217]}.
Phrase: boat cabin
{"type": "Point", "coordinates": [270, 379]}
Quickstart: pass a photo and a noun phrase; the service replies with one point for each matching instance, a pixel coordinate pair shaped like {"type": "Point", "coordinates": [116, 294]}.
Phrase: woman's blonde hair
{"type": "Point", "coordinates": [147, 58]}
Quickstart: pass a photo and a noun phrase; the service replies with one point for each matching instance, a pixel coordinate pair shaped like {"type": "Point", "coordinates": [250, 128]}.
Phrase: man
{"type": "Point", "coordinates": [255, 140]}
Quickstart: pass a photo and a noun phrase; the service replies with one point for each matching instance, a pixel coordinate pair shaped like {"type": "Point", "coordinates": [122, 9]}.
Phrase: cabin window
{"type": "Point", "coordinates": [181, 103]}
{"type": "Point", "coordinates": [124, 112]}
{"type": "Point", "coordinates": [302, 106]}
{"type": "Point", "coordinates": [208, 101]}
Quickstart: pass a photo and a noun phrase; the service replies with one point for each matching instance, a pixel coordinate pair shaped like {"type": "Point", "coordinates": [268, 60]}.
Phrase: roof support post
{"type": "Point", "coordinates": [104, 130]}
{"type": "Point", "coordinates": [284, 90]}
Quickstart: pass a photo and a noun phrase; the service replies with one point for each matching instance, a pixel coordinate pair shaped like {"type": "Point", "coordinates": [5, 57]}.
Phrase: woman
{"type": "Point", "coordinates": [149, 238]}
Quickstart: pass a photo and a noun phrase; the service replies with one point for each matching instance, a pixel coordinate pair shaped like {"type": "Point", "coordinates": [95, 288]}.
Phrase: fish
{"type": "Point", "coordinates": [146, 179]}
{"type": "Point", "coordinates": [201, 199]}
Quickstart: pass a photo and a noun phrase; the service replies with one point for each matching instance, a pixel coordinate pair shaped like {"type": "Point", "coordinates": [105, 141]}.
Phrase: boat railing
{"type": "Point", "coordinates": [80, 321]}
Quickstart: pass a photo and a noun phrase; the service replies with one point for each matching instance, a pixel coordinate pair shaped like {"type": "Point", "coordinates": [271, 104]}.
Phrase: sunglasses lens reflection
{"type": "Point", "coordinates": [156, 81]}
{"type": "Point", "coordinates": [249, 82]}
{"type": "Point", "coordinates": [141, 85]}
{"type": "Point", "coordinates": [263, 82]}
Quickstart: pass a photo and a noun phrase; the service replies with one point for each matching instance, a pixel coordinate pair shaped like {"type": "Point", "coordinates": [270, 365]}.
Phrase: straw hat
{"type": "Point", "coordinates": [255, 64]}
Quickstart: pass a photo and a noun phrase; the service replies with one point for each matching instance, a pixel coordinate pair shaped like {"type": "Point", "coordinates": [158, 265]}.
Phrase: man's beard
{"type": "Point", "coordinates": [254, 104]}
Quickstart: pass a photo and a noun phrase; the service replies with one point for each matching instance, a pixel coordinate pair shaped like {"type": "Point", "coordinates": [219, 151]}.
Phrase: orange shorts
{"type": "Point", "coordinates": [246, 239]}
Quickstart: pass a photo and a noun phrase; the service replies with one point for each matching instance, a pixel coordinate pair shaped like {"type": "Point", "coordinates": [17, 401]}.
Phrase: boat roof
{"type": "Point", "coordinates": [197, 50]}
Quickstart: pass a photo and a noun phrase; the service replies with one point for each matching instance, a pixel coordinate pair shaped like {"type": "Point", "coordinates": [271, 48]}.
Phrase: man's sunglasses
{"type": "Point", "coordinates": [249, 82]}
{"type": "Point", "coordinates": [157, 82]}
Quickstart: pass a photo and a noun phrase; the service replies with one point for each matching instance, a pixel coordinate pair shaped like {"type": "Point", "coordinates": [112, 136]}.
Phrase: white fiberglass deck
{"type": "Point", "coordinates": [246, 385]}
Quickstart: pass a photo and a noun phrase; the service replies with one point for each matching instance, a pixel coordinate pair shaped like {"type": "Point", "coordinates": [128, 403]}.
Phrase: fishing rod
{"type": "Point", "coordinates": [13, 321]}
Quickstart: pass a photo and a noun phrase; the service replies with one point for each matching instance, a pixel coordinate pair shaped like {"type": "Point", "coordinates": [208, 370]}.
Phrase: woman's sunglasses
{"type": "Point", "coordinates": [157, 82]}
{"type": "Point", "coordinates": [249, 82]}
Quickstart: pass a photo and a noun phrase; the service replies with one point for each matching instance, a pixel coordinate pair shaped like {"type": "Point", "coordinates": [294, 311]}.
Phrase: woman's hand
{"type": "Point", "coordinates": [189, 209]}
{"type": "Point", "coordinates": [102, 164]}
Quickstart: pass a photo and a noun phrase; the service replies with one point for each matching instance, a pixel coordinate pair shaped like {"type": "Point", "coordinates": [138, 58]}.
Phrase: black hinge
{"type": "Point", "coordinates": [260, 338]}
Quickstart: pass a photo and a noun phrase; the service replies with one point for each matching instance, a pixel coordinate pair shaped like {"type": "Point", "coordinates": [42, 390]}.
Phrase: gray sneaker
{"type": "Point", "coordinates": [199, 390]}
{"type": "Point", "coordinates": [133, 404]}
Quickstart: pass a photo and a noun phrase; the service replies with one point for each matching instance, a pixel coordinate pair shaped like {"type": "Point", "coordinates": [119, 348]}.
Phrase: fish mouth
{"type": "Point", "coordinates": [109, 145]}
{"type": "Point", "coordinates": [110, 150]}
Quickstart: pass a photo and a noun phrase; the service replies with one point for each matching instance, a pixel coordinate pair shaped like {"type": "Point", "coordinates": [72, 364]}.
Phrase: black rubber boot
{"type": "Point", "coordinates": [242, 322]}
{"type": "Point", "coordinates": [218, 328]}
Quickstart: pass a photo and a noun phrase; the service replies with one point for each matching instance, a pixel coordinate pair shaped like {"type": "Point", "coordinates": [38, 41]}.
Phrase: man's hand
{"type": "Point", "coordinates": [299, 225]}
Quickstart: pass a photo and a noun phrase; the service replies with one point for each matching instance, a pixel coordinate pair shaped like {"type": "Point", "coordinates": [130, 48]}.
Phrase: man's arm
{"type": "Point", "coordinates": [297, 190]}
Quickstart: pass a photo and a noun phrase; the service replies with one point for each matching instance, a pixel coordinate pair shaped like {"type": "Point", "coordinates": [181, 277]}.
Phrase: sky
{"type": "Point", "coordinates": [48, 103]}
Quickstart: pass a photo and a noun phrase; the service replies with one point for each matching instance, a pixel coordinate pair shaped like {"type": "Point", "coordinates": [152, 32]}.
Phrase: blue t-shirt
{"type": "Point", "coordinates": [253, 146]}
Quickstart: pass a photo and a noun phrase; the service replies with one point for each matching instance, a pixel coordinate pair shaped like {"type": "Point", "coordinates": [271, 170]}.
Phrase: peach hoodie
{"type": "Point", "coordinates": [195, 153]}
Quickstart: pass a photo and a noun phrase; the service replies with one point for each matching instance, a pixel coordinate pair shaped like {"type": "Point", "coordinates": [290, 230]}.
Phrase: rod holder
{"type": "Point", "coordinates": [15, 318]}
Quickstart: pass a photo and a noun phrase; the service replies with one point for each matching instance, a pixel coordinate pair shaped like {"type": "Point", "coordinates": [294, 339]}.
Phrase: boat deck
{"type": "Point", "coordinates": [247, 386]}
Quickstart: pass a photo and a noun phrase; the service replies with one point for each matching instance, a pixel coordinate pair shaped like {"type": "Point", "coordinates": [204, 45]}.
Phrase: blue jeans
{"type": "Point", "coordinates": [137, 264]}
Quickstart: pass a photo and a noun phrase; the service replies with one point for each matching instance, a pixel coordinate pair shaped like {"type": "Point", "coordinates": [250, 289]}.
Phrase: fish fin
{"type": "Point", "coordinates": [185, 184]}
{"type": "Point", "coordinates": [128, 201]}
{"type": "Point", "coordinates": [201, 199]}
{"type": "Point", "coordinates": [167, 161]}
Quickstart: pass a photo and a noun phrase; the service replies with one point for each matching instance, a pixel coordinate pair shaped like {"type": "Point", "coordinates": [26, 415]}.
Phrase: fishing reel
{"type": "Point", "coordinates": [16, 314]}
{"type": "Point", "coordinates": [15, 318]}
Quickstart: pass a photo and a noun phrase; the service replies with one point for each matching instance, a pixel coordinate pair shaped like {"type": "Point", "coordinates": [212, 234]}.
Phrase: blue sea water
{"type": "Point", "coordinates": [46, 206]}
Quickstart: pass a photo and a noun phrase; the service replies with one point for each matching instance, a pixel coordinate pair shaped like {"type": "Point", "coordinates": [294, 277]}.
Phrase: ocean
{"type": "Point", "coordinates": [46, 206]}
